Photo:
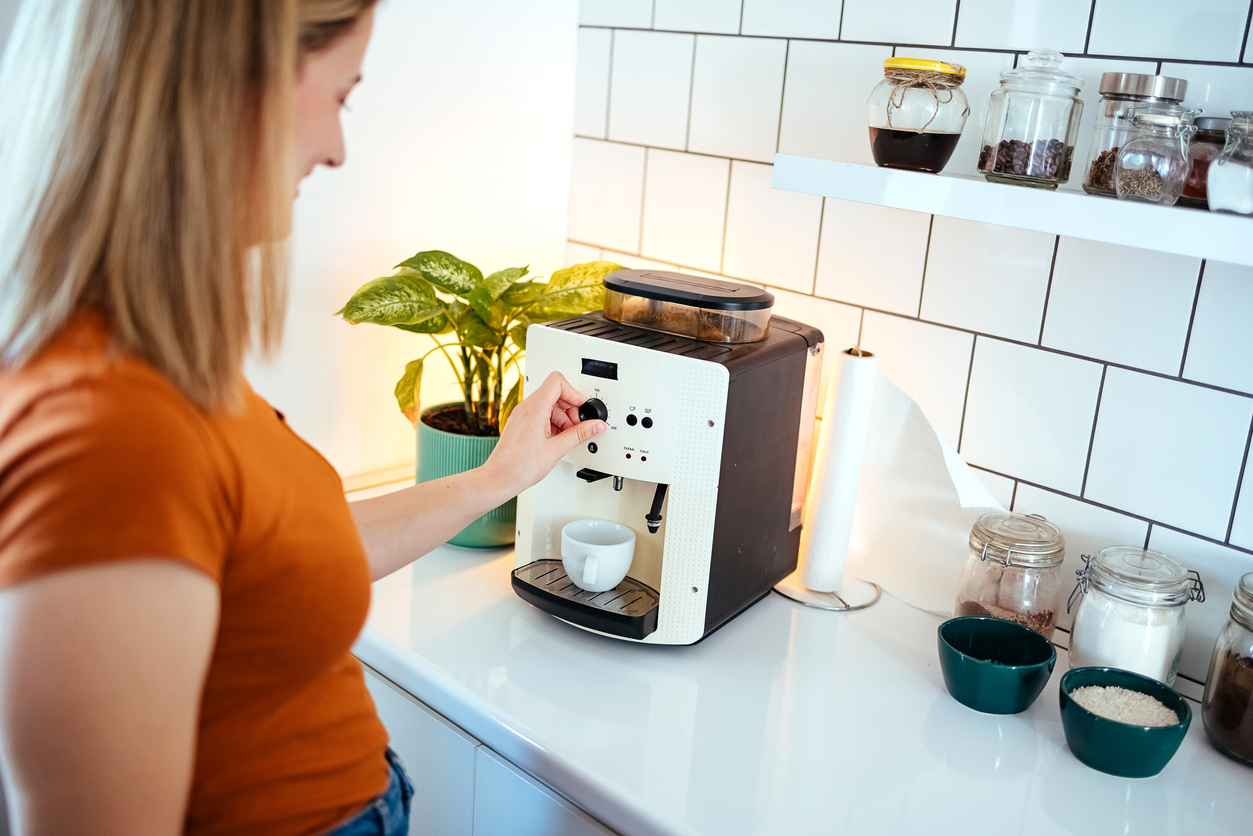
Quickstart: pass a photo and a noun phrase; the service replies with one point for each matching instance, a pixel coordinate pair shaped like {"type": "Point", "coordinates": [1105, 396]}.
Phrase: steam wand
{"type": "Point", "coordinates": [653, 517]}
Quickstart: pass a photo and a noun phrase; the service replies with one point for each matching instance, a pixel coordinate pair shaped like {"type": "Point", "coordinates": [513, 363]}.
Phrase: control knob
{"type": "Point", "coordinates": [593, 408]}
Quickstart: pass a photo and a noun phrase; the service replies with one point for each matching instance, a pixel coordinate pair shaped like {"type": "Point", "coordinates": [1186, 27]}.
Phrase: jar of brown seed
{"type": "Point", "coordinates": [1153, 165]}
{"type": "Point", "coordinates": [1013, 571]}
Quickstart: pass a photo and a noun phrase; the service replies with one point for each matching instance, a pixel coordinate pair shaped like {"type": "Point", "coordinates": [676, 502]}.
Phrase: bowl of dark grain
{"type": "Point", "coordinates": [1122, 723]}
{"type": "Point", "coordinates": [994, 666]}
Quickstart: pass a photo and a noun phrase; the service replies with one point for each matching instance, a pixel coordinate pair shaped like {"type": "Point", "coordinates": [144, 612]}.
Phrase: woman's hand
{"type": "Point", "coordinates": [542, 429]}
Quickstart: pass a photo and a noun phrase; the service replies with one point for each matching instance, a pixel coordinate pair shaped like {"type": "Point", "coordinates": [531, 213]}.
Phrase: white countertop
{"type": "Point", "coordinates": [788, 720]}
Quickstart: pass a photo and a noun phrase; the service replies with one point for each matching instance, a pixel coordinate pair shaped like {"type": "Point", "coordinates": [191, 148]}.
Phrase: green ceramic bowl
{"type": "Point", "coordinates": [1120, 748]}
{"type": "Point", "coordinates": [994, 666]}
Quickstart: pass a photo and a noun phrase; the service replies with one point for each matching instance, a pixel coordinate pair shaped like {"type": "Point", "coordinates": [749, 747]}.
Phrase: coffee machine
{"type": "Point", "coordinates": [710, 405]}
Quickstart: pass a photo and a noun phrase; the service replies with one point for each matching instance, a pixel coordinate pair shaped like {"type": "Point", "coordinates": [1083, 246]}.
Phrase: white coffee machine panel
{"type": "Point", "coordinates": [666, 411]}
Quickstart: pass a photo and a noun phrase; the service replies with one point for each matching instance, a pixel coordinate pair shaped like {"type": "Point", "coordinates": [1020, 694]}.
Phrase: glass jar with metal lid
{"type": "Point", "coordinates": [1120, 94]}
{"type": "Point", "coordinates": [916, 114]}
{"type": "Point", "coordinates": [1013, 571]}
{"type": "Point", "coordinates": [1206, 144]}
{"type": "Point", "coordinates": [1229, 181]}
{"type": "Point", "coordinates": [1153, 164]}
{"type": "Point", "coordinates": [1227, 707]}
{"type": "Point", "coordinates": [1033, 119]}
{"type": "Point", "coordinates": [1131, 611]}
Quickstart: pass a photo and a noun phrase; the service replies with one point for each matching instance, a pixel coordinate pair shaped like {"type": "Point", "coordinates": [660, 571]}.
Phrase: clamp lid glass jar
{"type": "Point", "coordinates": [1120, 94]}
{"type": "Point", "coordinates": [1013, 571]}
{"type": "Point", "coordinates": [916, 114]}
{"type": "Point", "coordinates": [1227, 707]}
{"type": "Point", "coordinates": [1033, 118]}
{"type": "Point", "coordinates": [1153, 164]}
{"type": "Point", "coordinates": [1206, 144]}
{"type": "Point", "coordinates": [1229, 181]}
{"type": "Point", "coordinates": [1131, 611]}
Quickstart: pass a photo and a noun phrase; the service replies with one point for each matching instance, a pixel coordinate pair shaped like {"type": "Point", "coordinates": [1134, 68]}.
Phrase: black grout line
{"type": "Point", "coordinates": [861, 327]}
{"type": "Point", "coordinates": [652, 20]}
{"type": "Point", "coordinates": [726, 214]}
{"type": "Point", "coordinates": [1096, 417]}
{"type": "Point", "coordinates": [1235, 502]}
{"type": "Point", "coordinates": [643, 202]}
{"type": "Point", "coordinates": [992, 50]}
{"type": "Point", "coordinates": [1048, 290]}
{"type": "Point", "coordinates": [691, 95]}
{"type": "Point", "coordinates": [1087, 38]}
{"type": "Point", "coordinates": [1159, 68]}
{"type": "Point", "coordinates": [1244, 44]}
{"type": "Point", "coordinates": [740, 30]}
{"type": "Point", "coordinates": [1013, 497]}
{"type": "Point", "coordinates": [822, 214]}
{"type": "Point", "coordinates": [926, 260]}
{"type": "Point", "coordinates": [1148, 535]}
{"type": "Point", "coordinates": [778, 137]}
{"type": "Point", "coordinates": [1196, 298]}
{"type": "Point", "coordinates": [609, 84]}
{"type": "Point", "coordinates": [1120, 511]}
{"type": "Point", "coordinates": [957, 12]}
{"type": "Point", "coordinates": [970, 372]}
{"type": "Point", "coordinates": [839, 30]}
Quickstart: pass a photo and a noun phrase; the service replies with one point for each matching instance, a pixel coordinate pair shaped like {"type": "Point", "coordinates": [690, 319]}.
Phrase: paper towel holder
{"type": "Point", "coordinates": [853, 594]}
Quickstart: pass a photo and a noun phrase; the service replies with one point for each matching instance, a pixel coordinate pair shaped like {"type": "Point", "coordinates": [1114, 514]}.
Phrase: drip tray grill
{"type": "Point", "coordinates": [628, 610]}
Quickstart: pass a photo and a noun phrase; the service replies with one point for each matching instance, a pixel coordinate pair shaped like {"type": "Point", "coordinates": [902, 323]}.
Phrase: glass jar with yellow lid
{"type": "Point", "coordinates": [917, 113]}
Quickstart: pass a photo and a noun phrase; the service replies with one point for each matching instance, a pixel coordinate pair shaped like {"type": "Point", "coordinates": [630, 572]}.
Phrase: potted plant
{"type": "Point", "coordinates": [436, 293]}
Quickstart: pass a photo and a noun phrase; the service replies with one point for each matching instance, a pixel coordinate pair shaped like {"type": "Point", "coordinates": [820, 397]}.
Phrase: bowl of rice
{"type": "Point", "coordinates": [1122, 723]}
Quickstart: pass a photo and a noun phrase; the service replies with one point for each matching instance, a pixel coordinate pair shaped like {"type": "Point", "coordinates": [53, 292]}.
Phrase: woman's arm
{"type": "Point", "coordinates": [101, 674]}
{"type": "Point", "coordinates": [400, 527]}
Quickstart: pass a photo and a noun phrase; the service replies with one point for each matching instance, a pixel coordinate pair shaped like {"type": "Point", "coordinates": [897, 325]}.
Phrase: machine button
{"type": "Point", "coordinates": [647, 422]}
{"type": "Point", "coordinates": [632, 420]}
{"type": "Point", "coordinates": [593, 408]}
{"type": "Point", "coordinates": [591, 447]}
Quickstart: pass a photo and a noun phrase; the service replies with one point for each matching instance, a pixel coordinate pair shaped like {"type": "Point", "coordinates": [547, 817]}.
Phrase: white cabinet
{"type": "Point", "coordinates": [508, 802]}
{"type": "Point", "coordinates": [439, 757]}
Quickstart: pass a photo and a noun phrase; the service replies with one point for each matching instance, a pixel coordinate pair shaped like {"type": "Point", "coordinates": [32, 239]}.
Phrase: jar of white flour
{"type": "Point", "coordinates": [1131, 607]}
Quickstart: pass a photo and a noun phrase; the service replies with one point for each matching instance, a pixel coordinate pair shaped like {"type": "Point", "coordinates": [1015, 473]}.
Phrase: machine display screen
{"type": "Point", "coordinates": [599, 368]}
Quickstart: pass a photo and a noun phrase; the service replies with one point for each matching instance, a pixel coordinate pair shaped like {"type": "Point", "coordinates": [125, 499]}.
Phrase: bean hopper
{"type": "Point", "coordinates": [710, 403]}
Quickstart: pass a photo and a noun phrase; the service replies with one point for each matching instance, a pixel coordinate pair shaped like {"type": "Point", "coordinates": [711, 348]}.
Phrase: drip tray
{"type": "Point", "coordinates": [628, 610]}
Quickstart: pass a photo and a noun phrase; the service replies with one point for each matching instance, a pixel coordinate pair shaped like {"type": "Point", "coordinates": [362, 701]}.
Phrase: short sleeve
{"type": "Point", "coordinates": [110, 470]}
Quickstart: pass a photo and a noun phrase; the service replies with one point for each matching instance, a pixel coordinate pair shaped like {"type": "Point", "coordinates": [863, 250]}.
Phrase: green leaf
{"type": "Point", "coordinates": [510, 403]}
{"type": "Point", "coordinates": [500, 281]}
{"type": "Point", "coordinates": [408, 391]}
{"type": "Point", "coordinates": [445, 271]}
{"type": "Point", "coordinates": [518, 332]}
{"type": "Point", "coordinates": [568, 302]}
{"type": "Point", "coordinates": [491, 311]}
{"type": "Point", "coordinates": [405, 298]}
{"type": "Point", "coordinates": [582, 275]}
{"type": "Point", "coordinates": [523, 294]}
{"type": "Point", "coordinates": [434, 325]}
{"type": "Point", "coordinates": [473, 331]}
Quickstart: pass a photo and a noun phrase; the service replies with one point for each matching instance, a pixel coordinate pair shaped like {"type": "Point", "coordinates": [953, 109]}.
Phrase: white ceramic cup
{"type": "Point", "coordinates": [597, 553]}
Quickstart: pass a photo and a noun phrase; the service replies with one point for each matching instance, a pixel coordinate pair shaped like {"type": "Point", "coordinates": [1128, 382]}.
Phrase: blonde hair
{"type": "Point", "coordinates": [146, 162]}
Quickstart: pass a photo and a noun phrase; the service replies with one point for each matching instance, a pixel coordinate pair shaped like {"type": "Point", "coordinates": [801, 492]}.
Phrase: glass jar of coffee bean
{"type": "Point", "coordinates": [1121, 93]}
{"type": "Point", "coordinates": [1033, 118]}
{"type": "Point", "coordinates": [1153, 165]}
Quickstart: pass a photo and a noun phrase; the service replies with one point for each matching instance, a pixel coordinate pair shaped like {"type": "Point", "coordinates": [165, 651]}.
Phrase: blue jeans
{"type": "Point", "coordinates": [387, 815]}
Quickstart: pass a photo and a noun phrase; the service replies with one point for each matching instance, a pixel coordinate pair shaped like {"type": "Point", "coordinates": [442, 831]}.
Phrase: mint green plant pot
{"type": "Point", "coordinates": [443, 454]}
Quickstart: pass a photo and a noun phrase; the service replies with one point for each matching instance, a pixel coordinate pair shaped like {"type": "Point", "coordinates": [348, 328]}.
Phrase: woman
{"type": "Point", "coordinates": [180, 577]}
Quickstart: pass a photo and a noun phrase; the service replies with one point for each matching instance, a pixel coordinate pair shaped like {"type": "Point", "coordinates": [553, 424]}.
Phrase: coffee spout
{"type": "Point", "coordinates": [617, 483]}
{"type": "Point", "coordinates": [653, 517]}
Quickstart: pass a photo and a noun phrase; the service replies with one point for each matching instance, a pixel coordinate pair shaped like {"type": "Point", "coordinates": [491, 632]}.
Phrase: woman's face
{"type": "Point", "coordinates": [325, 79]}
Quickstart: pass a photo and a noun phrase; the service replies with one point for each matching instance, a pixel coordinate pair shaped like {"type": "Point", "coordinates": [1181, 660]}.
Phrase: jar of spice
{"type": "Point", "coordinates": [1229, 181]}
{"type": "Point", "coordinates": [1227, 707]}
{"type": "Point", "coordinates": [1013, 571]}
{"type": "Point", "coordinates": [917, 113]}
{"type": "Point", "coordinates": [1131, 607]}
{"type": "Point", "coordinates": [1120, 94]}
{"type": "Point", "coordinates": [1153, 164]}
{"type": "Point", "coordinates": [1033, 118]}
{"type": "Point", "coordinates": [1206, 144]}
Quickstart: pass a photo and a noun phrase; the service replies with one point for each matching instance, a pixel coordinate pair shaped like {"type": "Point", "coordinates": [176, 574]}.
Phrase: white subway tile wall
{"type": "Point", "coordinates": [772, 235]}
{"type": "Point", "coordinates": [1096, 385]}
{"type": "Point", "coordinates": [652, 79]}
{"type": "Point", "coordinates": [1125, 305]}
{"type": "Point", "coordinates": [591, 83]}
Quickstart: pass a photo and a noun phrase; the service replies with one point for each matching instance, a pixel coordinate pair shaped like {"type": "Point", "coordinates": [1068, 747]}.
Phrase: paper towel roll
{"type": "Point", "coordinates": [832, 497]}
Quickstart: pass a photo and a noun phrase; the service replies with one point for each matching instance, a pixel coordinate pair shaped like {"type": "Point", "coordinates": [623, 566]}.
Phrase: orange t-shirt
{"type": "Point", "coordinates": [102, 459]}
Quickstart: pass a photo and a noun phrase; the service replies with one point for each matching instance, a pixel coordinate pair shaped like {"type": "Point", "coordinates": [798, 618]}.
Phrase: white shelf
{"type": "Point", "coordinates": [1170, 229]}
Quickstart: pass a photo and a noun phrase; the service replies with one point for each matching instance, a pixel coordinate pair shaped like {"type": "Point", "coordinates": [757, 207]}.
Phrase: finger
{"type": "Point", "coordinates": [580, 433]}
{"type": "Point", "coordinates": [568, 392]}
{"type": "Point", "coordinates": [560, 419]}
{"type": "Point", "coordinates": [572, 412]}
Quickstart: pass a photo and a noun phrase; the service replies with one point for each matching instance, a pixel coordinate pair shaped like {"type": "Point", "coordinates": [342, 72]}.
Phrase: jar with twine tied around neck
{"type": "Point", "coordinates": [916, 114]}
